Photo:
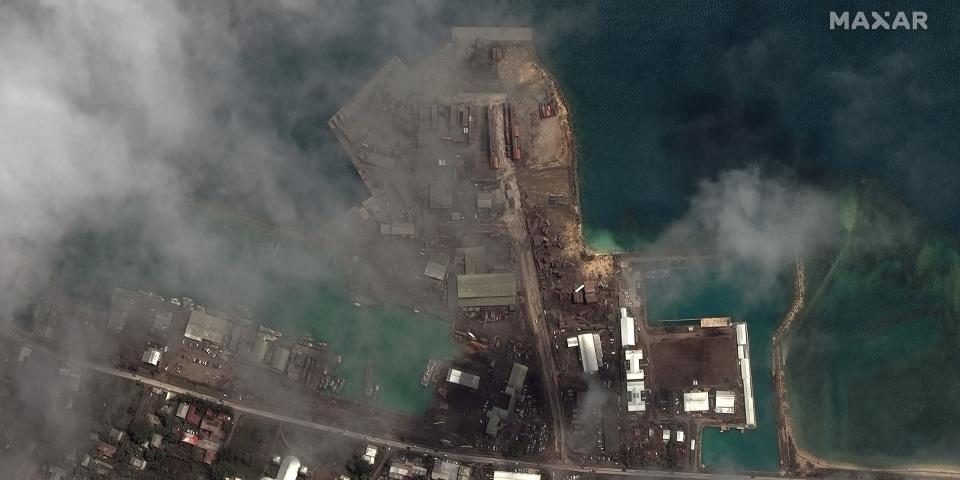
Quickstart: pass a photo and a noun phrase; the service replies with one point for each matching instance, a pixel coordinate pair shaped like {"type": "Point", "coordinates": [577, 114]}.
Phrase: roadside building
{"type": "Point", "coordinates": [449, 470]}
{"type": "Point", "coordinates": [370, 454]}
{"type": "Point", "coordinates": [505, 475]}
{"type": "Point", "coordinates": [203, 327]}
{"type": "Point", "coordinates": [151, 356]}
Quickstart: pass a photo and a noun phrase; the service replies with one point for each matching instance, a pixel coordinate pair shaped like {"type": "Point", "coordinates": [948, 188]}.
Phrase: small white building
{"type": "Point", "coordinates": [151, 356]}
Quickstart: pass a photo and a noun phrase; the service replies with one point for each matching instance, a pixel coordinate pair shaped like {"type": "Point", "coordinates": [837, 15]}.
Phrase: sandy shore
{"type": "Point", "coordinates": [946, 471]}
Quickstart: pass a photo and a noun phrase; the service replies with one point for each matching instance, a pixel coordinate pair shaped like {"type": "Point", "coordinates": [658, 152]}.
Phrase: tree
{"type": "Point", "coordinates": [358, 468]}
{"type": "Point", "coordinates": [221, 471]}
{"type": "Point", "coordinates": [140, 431]}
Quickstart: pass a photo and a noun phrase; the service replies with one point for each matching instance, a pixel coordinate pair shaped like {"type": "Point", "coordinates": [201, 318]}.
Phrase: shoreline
{"type": "Point", "coordinates": [570, 139]}
{"type": "Point", "coordinates": [795, 459]}
{"type": "Point", "coordinates": [821, 463]}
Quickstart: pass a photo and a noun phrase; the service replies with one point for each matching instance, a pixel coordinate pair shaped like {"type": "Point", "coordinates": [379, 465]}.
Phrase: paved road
{"type": "Point", "coordinates": [362, 437]}
{"type": "Point", "coordinates": [531, 287]}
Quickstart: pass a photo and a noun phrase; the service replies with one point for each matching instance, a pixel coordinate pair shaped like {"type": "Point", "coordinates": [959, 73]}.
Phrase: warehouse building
{"type": "Point", "coordinates": [746, 376]}
{"type": "Point", "coordinates": [696, 402]}
{"type": "Point", "coordinates": [724, 401]}
{"type": "Point", "coordinates": [462, 378]}
{"type": "Point", "coordinates": [628, 329]}
{"type": "Point", "coordinates": [205, 327]}
{"type": "Point", "coordinates": [591, 355]}
{"type": "Point", "coordinates": [486, 289]}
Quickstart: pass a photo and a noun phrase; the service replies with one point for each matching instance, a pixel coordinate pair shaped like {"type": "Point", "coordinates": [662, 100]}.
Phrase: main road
{"type": "Point", "coordinates": [371, 439]}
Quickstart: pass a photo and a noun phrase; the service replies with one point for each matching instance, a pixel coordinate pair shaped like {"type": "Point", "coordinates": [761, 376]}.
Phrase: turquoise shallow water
{"type": "Point", "coordinates": [702, 290]}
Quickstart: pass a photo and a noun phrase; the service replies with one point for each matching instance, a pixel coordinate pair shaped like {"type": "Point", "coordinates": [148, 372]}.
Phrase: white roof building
{"type": "Point", "coordinates": [152, 356]}
{"type": "Point", "coordinates": [370, 454]}
{"type": "Point", "coordinates": [628, 329]}
{"type": "Point", "coordinates": [696, 402]}
{"type": "Point", "coordinates": [635, 401]}
{"type": "Point", "coordinates": [462, 378]}
{"type": "Point", "coordinates": [590, 353]}
{"type": "Point", "coordinates": [724, 402]}
{"type": "Point", "coordinates": [632, 359]}
{"type": "Point", "coordinates": [504, 475]}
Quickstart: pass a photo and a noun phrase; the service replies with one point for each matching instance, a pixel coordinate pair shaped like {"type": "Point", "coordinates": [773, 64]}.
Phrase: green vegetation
{"type": "Point", "coordinates": [140, 432]}
{"type": "Point", "coordinates": [358, 468]}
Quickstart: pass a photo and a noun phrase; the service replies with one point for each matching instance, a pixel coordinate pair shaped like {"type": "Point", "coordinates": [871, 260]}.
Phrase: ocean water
{"type": "Point", "coordinates": [665, 94]}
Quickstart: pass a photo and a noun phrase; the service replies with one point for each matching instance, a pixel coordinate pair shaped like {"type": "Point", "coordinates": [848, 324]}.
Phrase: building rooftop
{"type": "Point", "coordinates": [473, 260]}
{"type": "Point", "coordinates": [152, 356]}
{"type": "Point", "coordinates": [205, 327]}
{"type": "Point", "coordinates": [696, 402]}
{"type": "Point", "coordinates": [632, 358]}
{"type": "Point", "coordinates": [724, 401]}
{"type": "Point", "coordinates": [590, 352]}
{"type": "Point", "coordinates": [517, 375]}
{"type": "Point", "coordinates": [463, 378]}
{"type": "Point", "coordinates": [712, 322]}
{"type": "Point", "coordinates": [635, 401]}
{"type": "Point", "coordinates": [436, 267]}
{"type": "Point", "coordinates": [504, 475]}
{"type": "Point", "coordinates": [486, 289]}
{"type": "Point", "coordinates": [628, 329]}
